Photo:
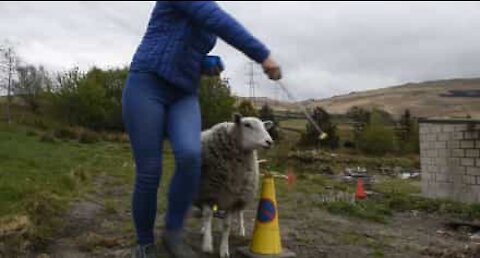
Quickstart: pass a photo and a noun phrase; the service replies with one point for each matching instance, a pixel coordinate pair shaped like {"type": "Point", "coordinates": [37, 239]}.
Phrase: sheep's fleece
{"type": "Point", "coordinates": [229, 172]}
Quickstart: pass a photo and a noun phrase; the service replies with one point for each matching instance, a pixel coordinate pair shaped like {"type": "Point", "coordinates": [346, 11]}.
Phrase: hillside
{"type": "Point", "coordinates": [276, 104]}
{"type": "Point", "coordinates": [442, 98]}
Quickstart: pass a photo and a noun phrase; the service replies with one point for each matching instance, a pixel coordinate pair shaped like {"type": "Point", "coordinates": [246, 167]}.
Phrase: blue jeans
{"type": "Point", "coordinates": [152, 110]}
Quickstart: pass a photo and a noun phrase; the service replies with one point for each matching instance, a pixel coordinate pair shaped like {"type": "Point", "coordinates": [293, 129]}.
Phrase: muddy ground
{"type": "Point", "coordinates": [95, 228]}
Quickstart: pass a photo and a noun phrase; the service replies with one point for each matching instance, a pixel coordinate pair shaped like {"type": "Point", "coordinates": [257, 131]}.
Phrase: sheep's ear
{"type": "Point", "coordinates": [268, 124]}
{"type": "Point", "coordinates": [237, 118]}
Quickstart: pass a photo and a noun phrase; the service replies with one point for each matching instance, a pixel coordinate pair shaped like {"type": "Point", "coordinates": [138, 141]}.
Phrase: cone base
{"type": "Point", "coordinates": [245, 252]}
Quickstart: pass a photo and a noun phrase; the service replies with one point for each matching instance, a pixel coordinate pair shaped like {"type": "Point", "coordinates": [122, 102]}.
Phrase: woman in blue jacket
{"type": "Point", "coordinates": [160, 100]}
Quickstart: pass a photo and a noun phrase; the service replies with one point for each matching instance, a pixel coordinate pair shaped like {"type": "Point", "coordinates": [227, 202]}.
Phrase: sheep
{"type": "Point", "coordinates": [230, 173]}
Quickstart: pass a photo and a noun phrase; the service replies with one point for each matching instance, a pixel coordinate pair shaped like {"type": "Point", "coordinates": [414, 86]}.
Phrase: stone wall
{"type": "Point", "coordinates": [450, 159]}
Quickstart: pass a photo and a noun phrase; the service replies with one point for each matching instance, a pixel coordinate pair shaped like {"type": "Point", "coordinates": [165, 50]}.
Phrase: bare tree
{"type": "Point", "coordinates": [30, 84]}
{"type": "Point", "coordinates": [8, 64]}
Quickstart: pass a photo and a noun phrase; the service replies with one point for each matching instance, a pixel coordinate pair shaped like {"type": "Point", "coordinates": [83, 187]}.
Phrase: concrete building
{"type": "Point", "coordinates": [450, 158]}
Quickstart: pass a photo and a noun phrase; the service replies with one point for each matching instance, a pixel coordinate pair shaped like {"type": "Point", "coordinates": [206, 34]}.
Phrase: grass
{"type": "Point", "coordinates": [59, 167]}
{"type": "Point", "coordinates": [314, 160]}
{"type": "Point", "coordinates": [397, 186]}
{"type": "Point", "coordinates": [368, 210]}
{"type": "Point", "coordinates": [40, 178]}
{"type": "Point", "coordinates": [377, 243]}
{"type": "Point", "coordinates": [395, 195]}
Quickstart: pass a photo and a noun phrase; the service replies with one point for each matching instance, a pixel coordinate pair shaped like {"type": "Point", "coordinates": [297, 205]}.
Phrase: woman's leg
{"type": "Point", "coordinates": [144, 117]}
{"type": "Point", "coordinates": [184, 129]}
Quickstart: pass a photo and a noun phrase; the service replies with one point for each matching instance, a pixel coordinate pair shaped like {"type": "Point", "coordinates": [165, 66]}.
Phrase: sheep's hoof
{"type": "Point", "coordinates": [207, 249]}
{"type": "Point", "coordinates": [224, 255]}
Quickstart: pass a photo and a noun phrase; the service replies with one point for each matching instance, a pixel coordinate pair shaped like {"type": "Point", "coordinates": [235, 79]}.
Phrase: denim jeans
{"type": "Point", "coordinates": [152, 110]}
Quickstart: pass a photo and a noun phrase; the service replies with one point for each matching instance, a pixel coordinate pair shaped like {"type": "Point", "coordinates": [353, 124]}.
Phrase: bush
{"type": "Point", "coordinates": [349, 144]}
{"type": "Point", "coordinates": [66, 133]}
{"type": "Point", "coordinates": [216, 101]}
{"type": "Point", "coordinates": [40, 124]}
{"type": "Point", "coordinates": [48, 138]}
{"type": "Point", "coordinates": [88, 137]}
{"type": "Point", "coordinates": [246, 108]}
{"type": "Point", "coordinates": [91, 99]}
{"type": "Point", "coordinates": [311, 137]}
{"type": "Point", "coordinates": [266, 113]}
{"type": "Point", "coordinates": [31, 132]}
{"type": "Point", "coordinates": [114, 137]}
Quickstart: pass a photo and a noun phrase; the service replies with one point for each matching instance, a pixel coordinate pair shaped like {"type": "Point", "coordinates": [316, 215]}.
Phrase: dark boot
{"type": "Point", "coordinates": [145, 251]}
{"type": "Point", "coordinates": [176, 246]}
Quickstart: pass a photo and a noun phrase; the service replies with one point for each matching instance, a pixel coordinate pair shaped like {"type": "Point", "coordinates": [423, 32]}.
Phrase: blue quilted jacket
{"type": "Point", "coordinates": [181, 33]}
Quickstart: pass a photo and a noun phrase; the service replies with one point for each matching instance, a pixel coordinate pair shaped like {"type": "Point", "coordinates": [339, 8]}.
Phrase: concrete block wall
{"type": "Point", "coordinates": [450, 159]}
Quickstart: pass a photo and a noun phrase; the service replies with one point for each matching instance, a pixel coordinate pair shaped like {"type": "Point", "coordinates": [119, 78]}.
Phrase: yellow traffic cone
{"type": "Point", "coordinates": [266, 240]}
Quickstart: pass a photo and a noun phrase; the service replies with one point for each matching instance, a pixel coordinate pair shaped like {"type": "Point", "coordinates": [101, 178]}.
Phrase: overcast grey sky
{"type": "Point", "coordinates": [325, 48]}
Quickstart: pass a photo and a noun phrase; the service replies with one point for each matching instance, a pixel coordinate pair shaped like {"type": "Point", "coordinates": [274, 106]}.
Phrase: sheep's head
{"type": "Point", "coordinates": [252, 132]}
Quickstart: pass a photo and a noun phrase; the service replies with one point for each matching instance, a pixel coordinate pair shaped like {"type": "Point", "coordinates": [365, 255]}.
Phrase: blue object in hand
{"type": "Point", "coordinates": [212, 65]}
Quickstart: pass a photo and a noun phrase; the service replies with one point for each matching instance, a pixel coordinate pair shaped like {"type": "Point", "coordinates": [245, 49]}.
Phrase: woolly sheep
{"type": "Point", "coordinates": [230, 173]}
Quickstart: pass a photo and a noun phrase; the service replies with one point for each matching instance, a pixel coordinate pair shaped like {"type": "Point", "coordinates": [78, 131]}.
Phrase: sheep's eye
{"type": "Point", "coordinates": [248, 125]}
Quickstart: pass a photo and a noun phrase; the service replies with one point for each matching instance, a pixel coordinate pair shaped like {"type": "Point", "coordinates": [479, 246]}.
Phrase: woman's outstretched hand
{"type": "Point", "coordinates": [272, 69]}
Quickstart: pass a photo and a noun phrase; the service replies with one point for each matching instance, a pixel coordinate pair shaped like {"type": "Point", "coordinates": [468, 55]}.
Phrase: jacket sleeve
{"type": "Point", "coordinates": [209, 15]}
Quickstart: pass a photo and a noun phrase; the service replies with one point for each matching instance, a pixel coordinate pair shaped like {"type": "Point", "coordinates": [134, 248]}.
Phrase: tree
{"type": "Point", "coordinates": [114, 83]}
{"type": "Point", "coordinates": [360, 118]}
{"type": "Point", "coordinates": [266, 113]}
{"type": "Point", "coordinates": [64, 96]}
{"type": "Point", "coordinates": [7, 65]}
{"type": "Point", "coordinates": [31, 83]}
{"type": "Point", "coordinates": [385, 117]}
{"type": "Point", "coordinates": [377, 138]}
{"type": "Point", "coordinates": [91, 99]}
{"type": "Point", "coordinates": [407, 133]}
{"type": "Point", "coordinates": [246, 108]}
{"type": "Point", "coordinates": [363, 118]}
{"type": "Point", "coordinates": [312, 137]}
{"type": "Point", "coordinates": [358, 114]}
{"type": "Point", "coordinates": [216, 101]}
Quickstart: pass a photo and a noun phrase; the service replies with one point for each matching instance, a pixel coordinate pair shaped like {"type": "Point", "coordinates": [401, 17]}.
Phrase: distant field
{"type": "Point", "coordinates": [298, 124]}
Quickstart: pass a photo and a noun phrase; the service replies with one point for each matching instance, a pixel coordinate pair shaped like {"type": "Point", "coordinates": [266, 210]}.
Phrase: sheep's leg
{"type": "Point", "coordinates": [207, 216]}
{"type": "Point", "coordinates": [227, 222]}
{"type": "Point", "coordinates": [241, 224]}
{"type": "Point", "coordinates": [202, 229]}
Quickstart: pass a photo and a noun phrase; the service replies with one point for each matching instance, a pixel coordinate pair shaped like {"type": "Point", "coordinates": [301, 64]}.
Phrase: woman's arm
{"type": "Point", "coordinates": [211, 16]}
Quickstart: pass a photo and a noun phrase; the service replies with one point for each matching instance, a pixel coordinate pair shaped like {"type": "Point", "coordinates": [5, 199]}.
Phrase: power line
{"type": "Point", "coordinates": [251, 82]}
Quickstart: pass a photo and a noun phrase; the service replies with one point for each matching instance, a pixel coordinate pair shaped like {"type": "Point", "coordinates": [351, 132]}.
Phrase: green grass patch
{"type": "Point", "coordinates": [397, 186]}
{"type": "Point", "coordinates": [400, 196]}
{"type": "Point", "coordinates": [39, 177]}
{"type": "Point", "coordinates": [367, 210]}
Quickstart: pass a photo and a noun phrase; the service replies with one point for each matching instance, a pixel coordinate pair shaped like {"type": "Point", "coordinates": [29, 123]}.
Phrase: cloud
{"type": "Point", "coordinates": [325, 48]}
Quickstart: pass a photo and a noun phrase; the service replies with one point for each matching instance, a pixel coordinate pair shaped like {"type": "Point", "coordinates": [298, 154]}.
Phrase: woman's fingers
{"type": "Point", "coordinates": [272, 69]}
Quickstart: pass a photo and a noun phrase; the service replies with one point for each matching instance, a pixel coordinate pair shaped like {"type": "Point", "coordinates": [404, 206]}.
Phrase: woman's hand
{"type": "Point", "coordinates": [272, 69]}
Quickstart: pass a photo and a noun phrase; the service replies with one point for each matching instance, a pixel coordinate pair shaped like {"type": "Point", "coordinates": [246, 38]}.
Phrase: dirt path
{"type": "Point", "coordinates": [99, 225]}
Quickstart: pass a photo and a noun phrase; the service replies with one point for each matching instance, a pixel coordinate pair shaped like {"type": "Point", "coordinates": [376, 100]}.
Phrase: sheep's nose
{"type": "Point", "coordinates": [269, 142]}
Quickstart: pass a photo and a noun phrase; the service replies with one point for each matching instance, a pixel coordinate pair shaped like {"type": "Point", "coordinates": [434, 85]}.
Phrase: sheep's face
{"type": "Point", "coordinates": [253, 132]}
